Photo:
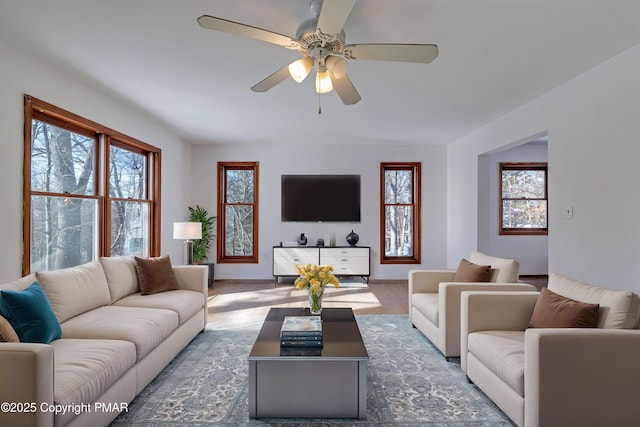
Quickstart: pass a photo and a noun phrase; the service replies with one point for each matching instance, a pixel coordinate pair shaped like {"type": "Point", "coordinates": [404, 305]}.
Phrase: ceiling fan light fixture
{"type": "Point", "coordinates": [323, 82]}
{"type": "Point", "coordinates": [300, 69]}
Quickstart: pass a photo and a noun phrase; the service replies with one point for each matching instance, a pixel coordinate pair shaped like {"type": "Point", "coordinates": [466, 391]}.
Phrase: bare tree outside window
{"type": "Point", "coordinates": [88, 191]}
{"type": "Point", "coordinates": [237, 195]}
{"type": "Point", "coordinates": [400, 183]}
{"type": "Point", "coordinates": [523, 198]}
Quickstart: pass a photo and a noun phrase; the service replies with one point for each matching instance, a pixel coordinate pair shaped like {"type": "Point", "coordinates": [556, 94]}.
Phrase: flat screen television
{"type": "Point", "coordinates": [321, 198]}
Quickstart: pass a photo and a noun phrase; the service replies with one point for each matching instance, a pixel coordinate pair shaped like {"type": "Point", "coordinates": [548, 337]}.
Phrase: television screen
{"type": "Point", "coordinates": [314, 198]}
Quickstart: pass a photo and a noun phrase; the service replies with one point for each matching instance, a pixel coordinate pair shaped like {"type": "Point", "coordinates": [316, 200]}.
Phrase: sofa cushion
{"type": "Point", "coordinates": [618, 309]}
{"type": "Point", "coordinates": [502, 352]}
{"type": "Point", "coordinates": [20, 284]}
{"type": "Point", "coordinates": [86, 368]}
{"type": "Point", "coordinates": [555, 311]}
{"type": "Point", "coordinates": [7, 333]}
{"type": "Point", "coordinates": [121, 274]}
{"type": "Point", "coordinates": [470, 272]}
{"type": "Point", "coordinates": [145, 327]}
{"type": "Point", "coordinates": [29, 313]}
{"type": "Point", "coordinates": [75, 290]}
{"type": "Point", "coordinates": [184, 303]}
{"type": "Point", "coordinates": [155, 275]}
{"type": "Point", "coordinates": [427, 304]}
{"type": "Point", "coordinates": [503, 270]}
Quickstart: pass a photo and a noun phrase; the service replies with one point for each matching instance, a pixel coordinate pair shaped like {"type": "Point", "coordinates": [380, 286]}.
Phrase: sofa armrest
{"type": "Point", "coordinates": [192, 277]}
{"type": "Point", "coordinates": [585, 377]}
{"type": "Point", "coordinates": [26, 380]}
{"type": "Point", "coordinates": [493, 310]}
{"type": "Point", "coordinates": [449, 309]}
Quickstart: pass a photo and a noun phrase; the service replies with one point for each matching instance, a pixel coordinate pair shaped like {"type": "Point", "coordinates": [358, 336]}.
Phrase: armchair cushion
{"type": "Point", "coordinates": [555, 311]}
{"type": "Point", "coordinates": [470, 272]}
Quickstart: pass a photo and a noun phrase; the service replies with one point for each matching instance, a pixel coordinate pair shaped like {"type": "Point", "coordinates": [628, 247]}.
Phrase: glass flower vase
{"type": "Point", "coordinates": [315, 303]}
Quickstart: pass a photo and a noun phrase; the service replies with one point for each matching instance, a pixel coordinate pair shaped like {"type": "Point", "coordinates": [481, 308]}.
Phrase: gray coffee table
{"type": "Point", "coordinates": [332, 385]}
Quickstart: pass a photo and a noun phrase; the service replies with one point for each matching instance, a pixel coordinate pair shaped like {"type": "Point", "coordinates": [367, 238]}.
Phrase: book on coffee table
{"type": "Point", "coordinates": [301, 326]}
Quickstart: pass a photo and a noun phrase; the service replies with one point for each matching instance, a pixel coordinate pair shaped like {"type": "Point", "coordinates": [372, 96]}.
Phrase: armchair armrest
{"type": "Point", "coordinates": [586, 377]}
{"type": "Point", "coordinates": [449, 309]}
{"type": "Point", "coordinates": [428, 280]}
{"type": "Point", "coordinates": [26, 377]}
{"type": "Point", "coordinates": [493, 310]}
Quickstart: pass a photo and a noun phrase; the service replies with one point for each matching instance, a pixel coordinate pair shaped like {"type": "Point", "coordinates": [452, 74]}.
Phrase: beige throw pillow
{"type": "Point", "coordinates": [7, 333]}
{"type": "Point", "coordinates": [155, 275]}
{"type": "Point", "coordinates": [555, 311]}
{"type": "Point", "coordinates": [470, 272]}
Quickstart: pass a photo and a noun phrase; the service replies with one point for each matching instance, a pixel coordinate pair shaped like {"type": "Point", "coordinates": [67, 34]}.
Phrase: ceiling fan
{"type": "Point", "coordinates": [321, 41]}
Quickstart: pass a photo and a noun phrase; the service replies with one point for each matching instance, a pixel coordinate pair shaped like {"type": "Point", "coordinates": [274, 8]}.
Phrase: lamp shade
{"type": "Point", "coordinates": [323, 82]}
{"type": "Point", "coordinates": [187, 230]}
{"type": "Point", "coordinates": [300, 69]}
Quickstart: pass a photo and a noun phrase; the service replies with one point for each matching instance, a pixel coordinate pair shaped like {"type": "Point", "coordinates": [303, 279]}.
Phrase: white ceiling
{"type": "Point", "coordinates": [494, 56]}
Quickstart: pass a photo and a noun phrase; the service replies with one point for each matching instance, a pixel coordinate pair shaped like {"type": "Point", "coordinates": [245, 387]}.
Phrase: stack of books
{"type": "Point", "coordinates": [301, 335]}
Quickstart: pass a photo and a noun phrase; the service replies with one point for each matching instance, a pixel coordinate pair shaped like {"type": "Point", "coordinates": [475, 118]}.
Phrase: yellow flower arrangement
{"type": "Point", "coordinates": [314, 278]}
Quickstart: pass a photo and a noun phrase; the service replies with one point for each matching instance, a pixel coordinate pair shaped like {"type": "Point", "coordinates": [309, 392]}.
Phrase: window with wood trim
{"type": "Point", "coordinates": [237, 212]}
{"type": "Point", "coordinates": [400, 213]}
{"type": "Point", "coordinates": [89, 191]}
{"type": "Point", "coordinates": [523, 198]}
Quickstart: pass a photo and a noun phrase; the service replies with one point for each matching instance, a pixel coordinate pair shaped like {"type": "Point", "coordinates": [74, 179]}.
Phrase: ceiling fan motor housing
{"type": "Point", "coordinates": [309, 38]}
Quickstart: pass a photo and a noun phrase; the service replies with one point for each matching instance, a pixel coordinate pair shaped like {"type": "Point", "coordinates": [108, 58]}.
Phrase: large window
{"type": "Point", "coordinates": [523, 198]}
{"type": "Point", "coordinates": [88, 191]}
{"type": "Point", "coordinates": [400, 212]}
{"type": "Point", "coordinates": [238, 212]}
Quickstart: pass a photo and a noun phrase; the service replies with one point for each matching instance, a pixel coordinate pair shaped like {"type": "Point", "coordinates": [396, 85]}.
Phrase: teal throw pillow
{"type": "Point", "coordinates": [30, 314]}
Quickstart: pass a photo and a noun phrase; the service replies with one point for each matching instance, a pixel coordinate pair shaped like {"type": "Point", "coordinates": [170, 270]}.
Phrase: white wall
{"type": "Point", "coordinates": [593, 128]}
{"type": "Point", "coordinates": [23, 73]}
{"type": "Point", "coordinates": [276, 160]}
{"type": "Point", "coordinates": [530, 251]}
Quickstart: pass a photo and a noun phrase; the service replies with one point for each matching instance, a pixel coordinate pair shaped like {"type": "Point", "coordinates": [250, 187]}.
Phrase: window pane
{"type": "Point", "coordinates": [239, 230]}
{"type": "Point", "coordinates": [398, 224]}
{"type": "Point", "coordinates": [63, 232]}
{"type": "Point", "coordinates": [127, 173]}
{"type": "Point", "coordinates": [240, 186]}
{"type": "Point", "coordinates": [524, 214]}
{"type": "Point", "coordinates": [61, 161]}
{"type": "Point", "coordinates": [129, 228]}
{"type": "Point", "coordinates": [398, 186]}
{"type": "Point", "coordinates": [523, 184]}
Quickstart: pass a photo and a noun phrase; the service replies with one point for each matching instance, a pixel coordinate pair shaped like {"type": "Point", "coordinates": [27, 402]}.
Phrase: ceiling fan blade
{"type": "Point", "coordinates": [420, 53]}
{"type": "Point", "coordinates": [333, 15]}
{"type": "Point", "coordinates": [345, 90]}
{"type": "Point", "coordinates": [219, 24]}
{"type": "Point", "coordinates": [274, 79]}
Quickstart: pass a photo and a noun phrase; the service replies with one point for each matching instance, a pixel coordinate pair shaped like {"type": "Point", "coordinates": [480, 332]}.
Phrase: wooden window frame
{"type": "Point", "coordinates": [40, 110]}
{"type": "Point", "coordinates": [522, 166]}
{"type": "Point", "coordinates": [221, 223]}
{"type": "Point", "coordinates": [415, 168]}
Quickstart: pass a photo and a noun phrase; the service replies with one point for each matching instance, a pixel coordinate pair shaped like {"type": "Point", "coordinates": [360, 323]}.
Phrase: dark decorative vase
{"type": "Point", "coordinates": [302, 240]}
{"type": "Point", "coordinates": [352, 238]}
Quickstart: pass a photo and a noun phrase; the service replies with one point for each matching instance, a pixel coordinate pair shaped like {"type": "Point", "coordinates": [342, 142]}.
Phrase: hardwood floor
{"type": "Point", "coordinates": [234, 304]}
{"type": "Point", "coordinates": [238, 304]}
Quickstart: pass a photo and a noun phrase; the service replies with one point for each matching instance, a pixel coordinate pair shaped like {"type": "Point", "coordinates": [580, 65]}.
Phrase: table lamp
{"type": "Point", "coordinates": [187, 231]}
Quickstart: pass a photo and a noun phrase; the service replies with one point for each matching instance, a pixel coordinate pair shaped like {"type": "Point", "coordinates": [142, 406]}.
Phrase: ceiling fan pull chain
{"type": "Point", "coordinates": [319, 107]}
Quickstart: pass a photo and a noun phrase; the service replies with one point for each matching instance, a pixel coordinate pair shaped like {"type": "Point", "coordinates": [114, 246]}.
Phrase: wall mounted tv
{"type": "Point", "coordinates": [315, 198]}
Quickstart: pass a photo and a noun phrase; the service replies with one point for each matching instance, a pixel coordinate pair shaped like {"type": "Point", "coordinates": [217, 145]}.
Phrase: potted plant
{"type": "Point", "coordinates": [201, 247]}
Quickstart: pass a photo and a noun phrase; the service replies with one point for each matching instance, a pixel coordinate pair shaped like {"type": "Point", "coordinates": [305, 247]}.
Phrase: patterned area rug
{"type": "Point", "coordinates": [409, 384]}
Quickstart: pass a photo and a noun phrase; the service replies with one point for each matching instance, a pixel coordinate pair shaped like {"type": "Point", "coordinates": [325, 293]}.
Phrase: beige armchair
{"type": "Point", "coordinates": [434, 299]}
{"type": "Point", "coordinates": [555, 377]}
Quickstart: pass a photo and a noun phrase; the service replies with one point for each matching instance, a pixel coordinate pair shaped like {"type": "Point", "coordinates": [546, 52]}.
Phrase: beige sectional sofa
{"type": "Point", "coordinates": [555, 376]}
{"type": "Point", "coordinates": [114, 342]}
{"type": "Point", "coordinates": [434, 298]}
